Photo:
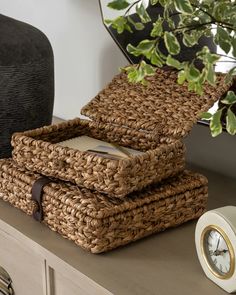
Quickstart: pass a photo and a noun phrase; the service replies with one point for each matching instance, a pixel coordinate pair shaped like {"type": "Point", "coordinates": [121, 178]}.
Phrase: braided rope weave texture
{"type": "Point", "coordinates": [152, 119]}
{"type": "Point", "coordinates": [99, 223]}
{"type": "Point", "coordinates": [163, 107]}
{"type": "Point", "coordinates": [37, 151]}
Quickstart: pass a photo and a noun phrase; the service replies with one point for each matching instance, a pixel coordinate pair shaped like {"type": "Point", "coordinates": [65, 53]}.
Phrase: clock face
{"type": "Point", "coordinates": [218, 252]}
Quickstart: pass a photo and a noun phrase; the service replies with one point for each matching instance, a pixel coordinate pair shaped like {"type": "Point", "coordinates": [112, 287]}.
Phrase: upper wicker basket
{"type": "Point", "coordinates": [163, 107]}
{"type": "Point", "coordinates": [152, 119]}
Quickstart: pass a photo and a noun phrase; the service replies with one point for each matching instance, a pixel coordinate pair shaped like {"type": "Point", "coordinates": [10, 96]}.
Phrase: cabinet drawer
{"type": "Point", "coordinates": [70, 283]}
{"type": "Point", "coordinates": [26, 268]}
{"type": "Point", "coordinates": [63, 285]}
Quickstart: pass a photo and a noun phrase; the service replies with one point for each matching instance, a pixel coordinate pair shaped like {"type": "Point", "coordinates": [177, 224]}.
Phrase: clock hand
{"type": "Point", "coordinates": [224, 251]}
{"type": "Point", "coordinates": [218, 244]}
{"type": "Point", "coordinates": [219, 252]}
{"type": "Point", "coordinates": [216, 252]}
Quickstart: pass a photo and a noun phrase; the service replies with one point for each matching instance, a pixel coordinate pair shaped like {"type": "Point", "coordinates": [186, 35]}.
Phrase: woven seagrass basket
{"type": "Point", "coordinates": [99, 223]}
{"type": "Point", "coordinates": [152, 119]}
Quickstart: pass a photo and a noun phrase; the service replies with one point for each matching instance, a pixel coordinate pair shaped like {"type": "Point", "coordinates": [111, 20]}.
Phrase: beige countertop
{"type": "Point", "coordinates": [162, 264]}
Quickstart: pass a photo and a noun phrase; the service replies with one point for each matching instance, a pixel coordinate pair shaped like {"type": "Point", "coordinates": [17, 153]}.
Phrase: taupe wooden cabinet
{"type": "Point", "coordinates": [32, 268]}
{"type": "Point", "coordinates": [25, 267]}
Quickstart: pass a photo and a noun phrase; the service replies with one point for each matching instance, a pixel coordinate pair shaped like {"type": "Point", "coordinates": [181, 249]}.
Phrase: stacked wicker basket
{"type": "Point", "coordinates": [102, 203]}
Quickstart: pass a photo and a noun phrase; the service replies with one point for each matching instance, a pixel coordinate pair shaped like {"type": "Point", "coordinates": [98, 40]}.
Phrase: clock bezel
{"type": "Point", "coordinates": [229, 274]}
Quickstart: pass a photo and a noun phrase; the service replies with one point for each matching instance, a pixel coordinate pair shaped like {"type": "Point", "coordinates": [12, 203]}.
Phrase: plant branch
{"type": "Point", "coordinates": [226, 61]}
{"type": "Point", "coordinates": [224, 55]}
{"type": "Point", "coordinates": [226, 25]}
{"type": "Point", "coordinates": [204, 11]}
{"type": "Point", "coordinates": [192, 27]}
{"type": "Point", "coordinates": [174, 14]}
{"type": "Point", "coordinates": [131, 6]}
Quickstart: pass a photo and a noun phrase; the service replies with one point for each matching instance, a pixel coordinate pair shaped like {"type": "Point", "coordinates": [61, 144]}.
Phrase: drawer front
{"type": "Point", "coordinates": [26, 269]}
{"type": "Point", "coordinates": [63, 285]}
{"type": "Point", "coordinates": [70, 283]}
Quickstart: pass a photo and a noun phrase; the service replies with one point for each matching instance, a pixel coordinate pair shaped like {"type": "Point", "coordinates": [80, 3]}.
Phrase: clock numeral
{"type": "Point", "coordinates": [209, 244]}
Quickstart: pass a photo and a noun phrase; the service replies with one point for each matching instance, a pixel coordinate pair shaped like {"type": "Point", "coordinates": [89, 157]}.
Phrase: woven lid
{"type": "Point", "coordinates": [162, 107]}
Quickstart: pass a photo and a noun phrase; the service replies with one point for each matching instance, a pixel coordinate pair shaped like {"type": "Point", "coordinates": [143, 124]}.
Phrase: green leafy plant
{"type": "Point", "coordinates": [195, 19]}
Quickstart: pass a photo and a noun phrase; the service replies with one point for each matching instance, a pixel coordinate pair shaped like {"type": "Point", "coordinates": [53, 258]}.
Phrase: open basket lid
{"type": "Point", "coordinates": [162, 107]}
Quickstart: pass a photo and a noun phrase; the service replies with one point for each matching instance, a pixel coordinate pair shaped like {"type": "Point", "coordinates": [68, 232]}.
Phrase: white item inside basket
{"type": "Point", "coordinates": [102, 148]}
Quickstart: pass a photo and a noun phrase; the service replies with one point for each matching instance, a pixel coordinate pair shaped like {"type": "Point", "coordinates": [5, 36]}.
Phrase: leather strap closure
{"type": "Point", "coordinates": [37, 193]}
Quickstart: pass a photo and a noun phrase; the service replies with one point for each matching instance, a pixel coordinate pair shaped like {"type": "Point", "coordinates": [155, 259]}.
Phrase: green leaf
{"type": "Point", "coordinates": [163, 2]}
{"type": "Point", "coordinates": [230, 98]}
{"type": "Point", "coordinates": [223, 39]}
{"type": "Point", "coordinates": [207, 57]}
{"type": "Point", "coordinates": [181, 77]}
{"type": "Point", "coordinates": [127, 27]}
{"type": "Point", "coordinates": [183, 6]}
{"type": "Point", "coordinates": [195, 86]}
{"type": "Point", "coordinates": [171, 23]}
{"type": "Point", "coordinates": [149, 70]}
{"type": "Point", "coordinates": [191, 86]}
{"type": "Point", "coordinates": [142, 13]}
{"type": "Point", "coordinates": [146, 45]}
{"type": "Point", "coordinates": [206, 116]}
{"type": "Point", "coordinates": [203, 76]}
{"type": "Point", "coordinates": [138, 74]}
{"type": "Point", "coordinates": [223, 34]}
{"type": "Point", "coordinates": [234, 46]}
{"type": "Point", "coordinates": [193, 73]}
{"type": "Point", "coordinates": [212, 58]}
{"type": "Point", "coordinates": [231, 122]}
{"type": "Point", "coordinates": [138, 26]}
{"type": "Point", "coordinates": [210, 76]}
{"type": "Point", "coordinates": [203, 53]}
{"type": "Point", "coordinates": [230, 75]}
{"type": "Point", "coordinates": [162, 56]}
{"type": "Point", "coordinates": [133, 75]}
{"type": "Point", "coordinates": [120, 24]}
{"type": "Point", "coordinates": [220, 10]}
{"type": "Point", "coordinates": [215, 125]}
{"type": "Point", "coordinates": [118, 4]}
{"type": "Point", "coordinates": [156, 59]}
{"type": "Point", "coordinates": [133, 50]}
{"type": "Point", "coordinates": [145, 48]}
{"type": "Point", "coordinates": [173, 62]}
{"type": "Point", "coordinates": [198, 88]}
{"type": "Point", "coordinates": [157, 28]}
{"type": "Point", "coordinates": [171, 43]}
{"type": "Point", "coordinates": [108, 21]}
{"type": "Point", "coordinates": [153, 2]}
{"type": "Point", "coordinates": [189, 40]}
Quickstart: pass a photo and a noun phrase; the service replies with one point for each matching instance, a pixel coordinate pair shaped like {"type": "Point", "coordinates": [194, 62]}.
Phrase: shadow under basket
{"type": "Point", "coordinates": [99, 223]}
{"type": "Point", "coordinates": [152, 119]}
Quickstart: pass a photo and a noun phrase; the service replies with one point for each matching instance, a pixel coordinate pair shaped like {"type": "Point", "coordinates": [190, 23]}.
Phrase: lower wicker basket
{"type": "Point", "coordinates": [98, 223]}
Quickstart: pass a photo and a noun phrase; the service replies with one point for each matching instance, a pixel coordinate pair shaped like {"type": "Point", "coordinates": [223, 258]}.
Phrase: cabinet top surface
{"type": "Point", "coordinates": [164, 263]}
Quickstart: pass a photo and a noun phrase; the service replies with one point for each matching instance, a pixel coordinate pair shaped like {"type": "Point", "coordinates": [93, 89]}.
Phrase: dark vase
{"type": "Point", "coordinates": [26, 80]}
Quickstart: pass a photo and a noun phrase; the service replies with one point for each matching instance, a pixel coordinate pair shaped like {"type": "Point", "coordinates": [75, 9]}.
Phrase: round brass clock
{"type": "Point", "coordinates": [218, 252]}
{"type": "Point", "coordinates": [215, 239]}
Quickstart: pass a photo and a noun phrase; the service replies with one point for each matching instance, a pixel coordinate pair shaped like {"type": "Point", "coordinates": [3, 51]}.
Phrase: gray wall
{"type": "Point", "coordinates": [218, 154]}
